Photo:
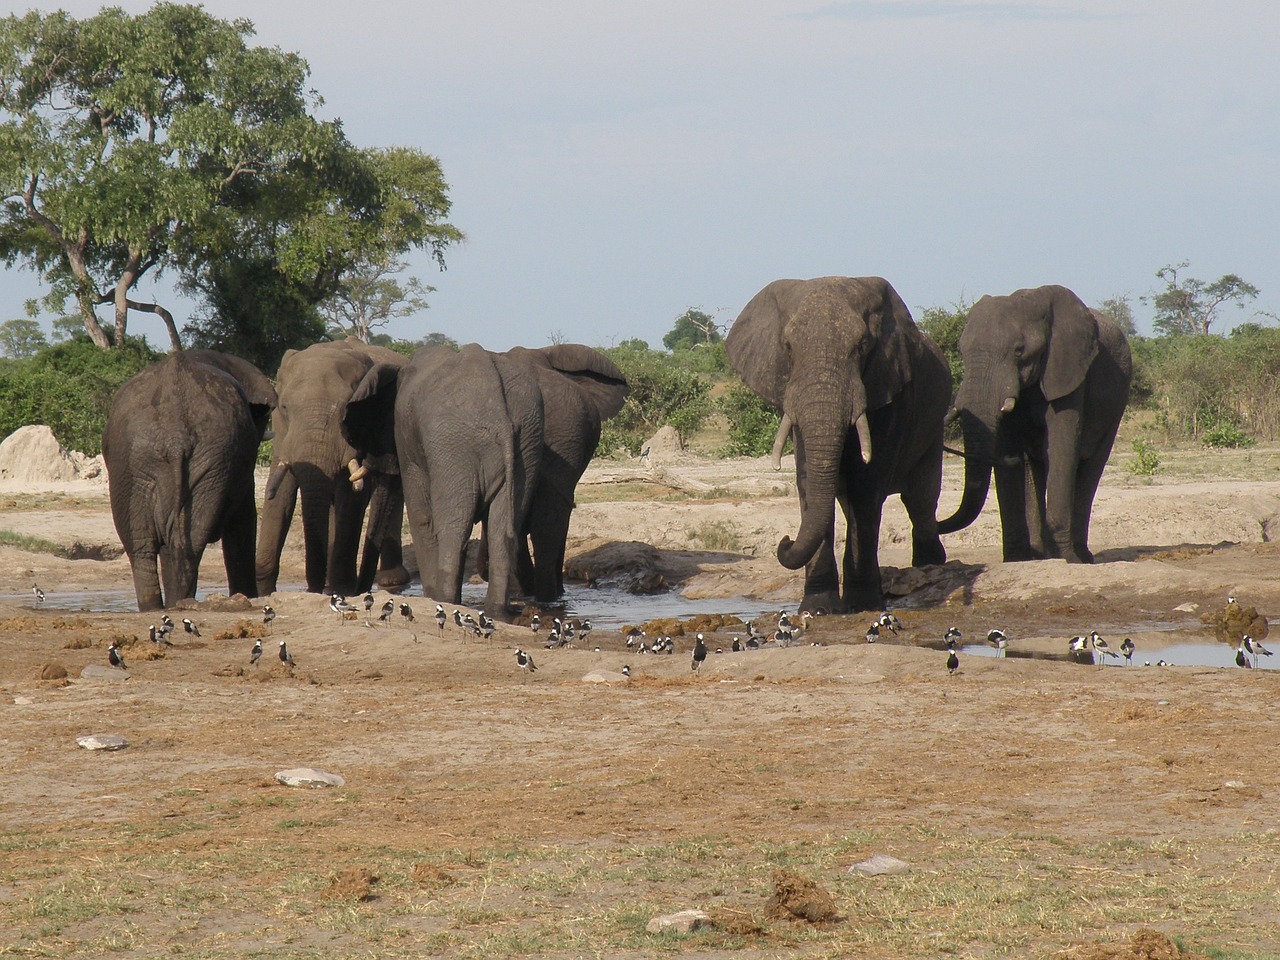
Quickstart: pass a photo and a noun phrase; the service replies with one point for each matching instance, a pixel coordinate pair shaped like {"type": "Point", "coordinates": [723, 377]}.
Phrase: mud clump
{"type": "Point", "coordinates": [51, 671]}
{"type": "Point", "coordinates": [430, 876]}
{"type": "Point", "coordinates": [1145, 944]}
{"type": "Point", "coordinates": [244, 630]}
{"type": "Point", "coordinates": [351, 885]}
{"type": "Point", "coordinates": [702, 623]}
{"type": "Point", "coordinates": [799, 898]}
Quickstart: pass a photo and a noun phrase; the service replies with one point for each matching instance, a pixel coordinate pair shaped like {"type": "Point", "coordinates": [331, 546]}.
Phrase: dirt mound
{"type": "Point", "coordinates": [1143, 945]}
{"type": "Point", "coordinates": [32, 454]}
{"type": "Point", "coordinates": [799, 898]}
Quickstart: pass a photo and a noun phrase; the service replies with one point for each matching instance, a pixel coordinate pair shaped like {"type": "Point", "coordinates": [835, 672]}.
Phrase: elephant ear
{"type": "Point", "coordinates": [369, 423]}
{"type": "Point", "coordinates": [754, 344]}
{"type": "Point", "coordinates": [890, 329]}
{"type": "Point", "coordinates": [258, 390]}
{"type": "Point", "coordinates": [1073, 344]}
{"type": "Point", "coordinates": [598, 377]}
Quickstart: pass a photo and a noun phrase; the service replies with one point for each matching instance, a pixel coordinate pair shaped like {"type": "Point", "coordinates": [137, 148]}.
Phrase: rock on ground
{"type": "Point", "coordinates": [32, 454]}
{"type": "Point", "coordinates": [309, 777]}
{"type": "Point", "coordinates": [684, 921]}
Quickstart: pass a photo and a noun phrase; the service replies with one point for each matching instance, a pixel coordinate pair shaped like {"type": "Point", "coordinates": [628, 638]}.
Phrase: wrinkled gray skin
{"type": "Point", "coordinates": [336, 406]}
{"type": "Point", "coordinates": [180, 445]}
{"type": "Point", "coordinates": [469, 431]}
{"type": "Point", "coordinates": [580, 389]}
{"type": "Point", "coordinates": [1045, 384]}
{"type": "Point", "coordinates": [828, 353]}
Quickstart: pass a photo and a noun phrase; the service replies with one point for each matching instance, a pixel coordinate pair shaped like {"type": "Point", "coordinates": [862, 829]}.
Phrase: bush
{"type": "Point", "coordinates": [1145, 461]}
{"type": "Point", "coordinates": [752, 423]}
{"type": "Point", "coordinates": [1225, 435]}
{"type": "Point", "coordinates": [661, 393]}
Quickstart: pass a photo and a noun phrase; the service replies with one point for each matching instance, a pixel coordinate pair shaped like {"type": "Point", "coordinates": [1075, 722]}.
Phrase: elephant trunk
{"type": "Point", "coordinates": [823, 441]}
{"type": "Point", "coordinates": [979, 448]}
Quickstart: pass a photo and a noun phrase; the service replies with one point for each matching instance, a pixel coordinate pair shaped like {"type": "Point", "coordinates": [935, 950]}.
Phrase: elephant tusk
{"type": "Point", "coordinates": [358, 470]}
{"type": "Point", "coordinates": [1007, 406]}
{"type": "Point", "coordinates": [784, 431]}
{"type": "Point", "coordinates": [864, 436]}
{"type": "Point", "coordinates": [951, 416]}
{"type": "Point", "coordinates": [276, 477]}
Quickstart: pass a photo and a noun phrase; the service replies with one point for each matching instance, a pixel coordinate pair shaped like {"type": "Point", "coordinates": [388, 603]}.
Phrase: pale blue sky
{"type": "Point", "coordinates": [614, 163]}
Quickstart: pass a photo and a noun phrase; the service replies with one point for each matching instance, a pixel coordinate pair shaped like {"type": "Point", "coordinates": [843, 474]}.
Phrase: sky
{"type": "Point", "coordinates": [615, 162]}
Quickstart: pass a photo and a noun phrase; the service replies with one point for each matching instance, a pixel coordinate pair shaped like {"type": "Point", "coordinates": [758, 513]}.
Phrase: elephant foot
{"type": "Point", "coordinates": [827, 601]}
{"type": "Point", "coordinates": [928, 553]}
{"type": "Point", "coordinates": [860, 599]}
{"type": "Point", "coordinates": [1019, 554]}
{"type": "Point", "coordinates": [1078, 555]}
{"type": "Point", "coordinates": [392, 577]}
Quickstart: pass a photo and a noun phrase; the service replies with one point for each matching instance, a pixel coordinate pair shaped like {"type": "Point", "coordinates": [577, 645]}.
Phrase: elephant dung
{"type": "Point", "coordinates": [799, 898]}
{"type": "Point", "coordinates": [631, 566]}
{"type": "Point", "coordinates": [102, 741]}
{"type": "Point", "coordinates": [351, 884]}
{"type": "Point", "coordinates": [309, 777]}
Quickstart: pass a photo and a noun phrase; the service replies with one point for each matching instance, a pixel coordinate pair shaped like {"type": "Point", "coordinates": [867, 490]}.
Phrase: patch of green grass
{"type": "Point", "coordinates": [32, 544]}
{"type": "Point", "coordinates": [723, 535]}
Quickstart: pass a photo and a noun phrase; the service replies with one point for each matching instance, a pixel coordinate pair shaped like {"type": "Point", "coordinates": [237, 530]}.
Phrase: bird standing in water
{"type": "Point", "coordinates": [37, 593]}
{"type": "Point", "coordinates": [1255, 648]}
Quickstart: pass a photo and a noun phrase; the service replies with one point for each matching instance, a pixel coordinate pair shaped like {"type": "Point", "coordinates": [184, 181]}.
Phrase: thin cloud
{"type": "Point", "coordinates": [868, 10]}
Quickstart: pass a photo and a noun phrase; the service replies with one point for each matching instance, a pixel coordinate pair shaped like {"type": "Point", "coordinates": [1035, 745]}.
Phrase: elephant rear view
{"type": "Point", "coordinates": [335, 444]}
{"type": "Point", "coordinates": [180, 445]}
{"type": "Point", "coordinates": [863, 393]}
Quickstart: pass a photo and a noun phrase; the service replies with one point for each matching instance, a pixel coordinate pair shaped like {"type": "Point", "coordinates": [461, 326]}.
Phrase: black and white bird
{"type": "Point", "coordinates": [998, 639]}
{"type": "Point", "coordinates": [486, 627]}
{"type": "Point", "coordinates": [286, 656]}
{"type": "Point", "coordinates": [736, 646]}
{"type": "Point", "coordinates": [158, 636]}
{"type": "Point", "coordinates": [873, 631]}
{"type": "Point", "coordinates": [338, 604]}
{"type": "Point", "coordinates": [166, 624]}
{"type": "Point", "coordinates": [37, 593]}
{"type": "Point", "coordinates": [784, 621]}
{"type": "Point", "coordinates": [256, 653]}
{"type": "Point", "coordinates": [406, 612]}
{"type": "Point", "coordinates": [1078, 649]}
{"type": "Point", "coordinates": [584, 629]}
{"type": "Point", "coordinates": [953, 661]}
{"type": "Point", "coordinates": [188, 626]}
{"type": "Point", "coordinates": [1126, 649]}
{"type": "Point", "coordinates": [536, 623]}
{"type": "Point", "coordinates": [1255, 648]}
{"type": "Point", "coordinates": [889, 622]}
{"type": "Point", "coordinates": [388, 609]}
{"type": "Point", "coordinates": [368, 605]}
{"type": "Point", "coordinates": [699, 651]}
{"type": "Point", "coordinates": [1241, 659]}
{"type": "Point", "coordinates": [568, 633]}
{"type": "Point", "coordinates": [626, 670]}
{"type": "Point", "coordinates": [1101, 646]}
{"type": "Point", "coordinates": [441, 618]}
{"type": "Point", "coordinates": [114, 658]}
{"type": "Point", "coordinates": [952, 637]}
{"type": "Point", "coordinates": [457, 619]}
{"type": "Point", "coordinates": [268, 614]}
{"type": "Point", "coordinates": [525, 662]}
{"type": "Point", "coordinates": [634, 636]}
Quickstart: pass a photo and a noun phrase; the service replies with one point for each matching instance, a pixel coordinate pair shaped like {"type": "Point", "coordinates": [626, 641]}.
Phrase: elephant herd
{"type": "Point", "coordinates": [460, 437]}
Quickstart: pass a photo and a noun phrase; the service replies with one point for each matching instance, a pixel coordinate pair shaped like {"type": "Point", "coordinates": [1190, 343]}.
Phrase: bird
{"type": "Point", "coordinates": [553, 638]}
{"type": "Point", "coordinates": [256, 653]}
{"type": "Point", "coordinates": [114, 658]}
{"type": "Point", "coordinates": [189, 627]}
{"type": "Point", "coordinates": [457, 619]}
{"type": "Point", "coordinates": [736, 646]}
{"type": "Point", "coordinates": [268, 614]}
{"type": "Point", "coordinates": [889, 621]}
{"type": "Point", "coordinates": [1127, 647]}
{"type": "Point", "coordinates": [485, 630]}
{"type": "Point", "coordinates": [873, 632]}
{"type": "Point", "coordinates": [1231, 598]}
{"type": "Point", "coordinates": [953, 661]}
{"type": "Point", "coordinates": [568, 633]}
{"type": "Point", "coordinates": [1241, 659]}
{"type": "Point", "coordinates": [166, 624]}
{"type": "Point", "coordinates": [525, 662]}
{"type": "Point", "coordinates": [1255, 648]}
{"type": "Point", "coordinates": [952, 636]}
{"type": "Point", "coordinates": [784, 621]}
{"type": "Point", "coordinates": [699, 652]}
{"type": "Point", "coordinates": [634, 636]}
{"type": "Point", "coordinates": [626, 670]}
{"type": "Point", "coordinates": [37, 593]}
{"type": "Point", "coordinates": [388, 608]}
{"type": "Point", "coordinates": [1078, 649]}
{"type": "Point", "coordinates": [441, 618]}
{"type": "Point", "coordinates": [536, 623]}
{"type": "Point", "coordinates": [752, 643]}
{"type": "Point", "coordinates": [338, 604]}
{"type": "Point", "coordinates": [286, 656]}
{"type": "Point", "coordinates": [406, 611]}
{"type": "Point", "coordinates": [1101, 646]}
{"type": "Point", "coordinates": [584, 628]}
{"type": "Point", "coordinates": [159, 636]}
{"type": "Point", "coordinates": [368, 604]}
{"type": "Point", "coordinates": [999, 640]}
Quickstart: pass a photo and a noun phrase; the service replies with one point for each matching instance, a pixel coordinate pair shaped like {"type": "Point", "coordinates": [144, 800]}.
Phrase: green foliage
{"type": "Point", "coordinates": [165, 141]}
{"type": "Point", "coordinates": [21, 338]}
{"type": "Point", "coordinates": [69, 388]}
{"type": "Point", "coordinates": [1189, 306]}
{"type": "Point", "coordinates": [1146, 461]}
{"type": "Point", "coordinates": [753, 424]}
{"type": "Point", "coordinates": [944, 326]}
{"type": "Point", "coordinates": [693, 328]}
{"type": "Point", "coordinates": [662, 392]}
{"type": "Point", "coordinates": [1120, 310]}
{"type": "Point", "coordinates": [1224, 435]}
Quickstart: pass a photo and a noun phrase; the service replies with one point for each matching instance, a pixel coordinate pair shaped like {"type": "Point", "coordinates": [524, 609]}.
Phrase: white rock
{"type": "Point", "coordinates": [95, 671]}
{"type": "Point", "coordinates": [686, 921]}
{"type": "Point", "coordinates": [1187, 607]}
{"type": "Point", "coordinates": [308, 777]}
{"type": "Point", "coordinates": [33, 454]}
{"type": "Point", "coordinates": [881, 865]}
{"type": "Point", "coordinates": [605, 676]}
{"type": "Point", "coordinates": [102, 741]}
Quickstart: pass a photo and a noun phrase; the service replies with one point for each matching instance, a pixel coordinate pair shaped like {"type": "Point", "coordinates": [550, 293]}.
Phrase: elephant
{"type": "Point", "coordinates": [469, 431]}
{"type": "Point", "coordinates": [1046, 381]}
{"type": "Point", "coordinates": [335, 444]}
{"type": "Point", "coordinates": [862, 392]}
{"type": "Point", "coordinates": [580, 389]}
{"type": "Point", "coordinates": [180, 444]}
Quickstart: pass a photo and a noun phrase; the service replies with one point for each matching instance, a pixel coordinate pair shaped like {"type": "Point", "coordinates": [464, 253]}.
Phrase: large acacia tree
{"type": "Point", "coordinates": [135, 144]}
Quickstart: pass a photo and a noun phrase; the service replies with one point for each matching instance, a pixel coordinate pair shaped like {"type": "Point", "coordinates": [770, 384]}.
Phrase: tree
{"type": "Point", "coordinates": [693, 328]}
{"type": "Point", "coordinates": [1188, 305]}
{"type": "Point", "coordinates": [369, 296]}
{"type": "Point", "coordinates": [134, 144]}
{"type": "Point", "coordinates": [1119, 310]}
{"type": "Point", "coordinates": [21, 338]}
{"type": "Point", "coordinates": [944, 326]}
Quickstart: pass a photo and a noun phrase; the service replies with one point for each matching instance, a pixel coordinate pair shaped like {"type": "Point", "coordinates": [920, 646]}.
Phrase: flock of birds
{"type": "Point", "coordinates": [1090, 647]}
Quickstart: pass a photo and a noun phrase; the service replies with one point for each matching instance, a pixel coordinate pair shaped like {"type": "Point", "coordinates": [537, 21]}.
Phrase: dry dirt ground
{"type": "Point", "coordinates": [1045, 808]}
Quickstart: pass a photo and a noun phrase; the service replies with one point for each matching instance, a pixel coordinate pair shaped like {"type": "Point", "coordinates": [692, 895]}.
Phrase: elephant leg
{"type": "Point", "coordinates": [143, 562]}
{"type": "Point", "coordinates": [1087, 479]}
{"type": "Point", "coordinates": [862, 586]}
{"type": "Point", "coordinates": [1011, 492]}
{"type": "Point", "coordinates": [549, 531]}
{"type": "Point", "coordinates": [1063, 456]}
{"type": "Point", "coordinates": [237, 546]}
{"type": "Point", "coordinates": [500, 535]}
{"type": "Point", "coordinates": [920, 498]}
{"type": "Point", "coordinates": [1041, 543]}
{"type": "Point", "coordinates": [277, 515]}
{"type": "Point", "coordinates": [179, 565]}
{"type": "Point", "coordinates": [345, 523]}
{"type": "Point", "coordinates": [391, 571]}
